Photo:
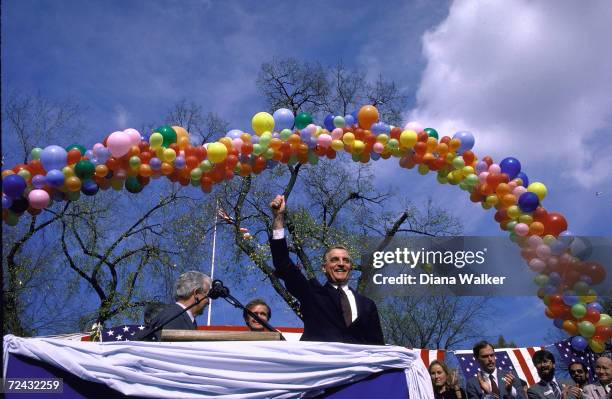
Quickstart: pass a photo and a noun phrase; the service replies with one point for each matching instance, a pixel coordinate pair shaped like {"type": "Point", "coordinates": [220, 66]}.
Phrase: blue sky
{"type": "Point", "coordinates": [530, 80]}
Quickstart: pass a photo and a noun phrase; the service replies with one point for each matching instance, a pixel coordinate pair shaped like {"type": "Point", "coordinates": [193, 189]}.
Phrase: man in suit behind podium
{"type": "Point", "coordinates": [189, 288]}
{"type": "Point", "coordinates": [332, 312]}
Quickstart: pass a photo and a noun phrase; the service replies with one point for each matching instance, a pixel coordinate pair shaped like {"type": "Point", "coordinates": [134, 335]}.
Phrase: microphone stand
{"type": "Point", "coordinates": [236, 303]}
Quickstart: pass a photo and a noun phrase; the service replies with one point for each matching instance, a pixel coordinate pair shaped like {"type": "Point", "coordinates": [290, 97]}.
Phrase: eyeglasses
{"type": "Point", "coordinates": [546, 362]}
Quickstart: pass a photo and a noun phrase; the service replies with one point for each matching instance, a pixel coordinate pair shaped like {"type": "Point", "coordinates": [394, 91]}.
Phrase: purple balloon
{"type": "Point", "coordinates": [595, 306]}
{"type": "Point", "coordinates": [283, 119]}
{"type": "Point", "coordinates": [6, 202]}
{"type": "Point", "coordinates": [349, 120]}
{"type": "Point", "coordinates": [328, 122]}
{"type": "Point", "coordinates": [155, 163]}
{"type": "Point", "coordinates": [13, 186]}
{"type": "Point", "coordinates": [39, 181]}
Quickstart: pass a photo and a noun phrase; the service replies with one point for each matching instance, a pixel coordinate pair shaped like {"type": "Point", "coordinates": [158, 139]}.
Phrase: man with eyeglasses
{"type": "Point", "coordinates": [332, 312]}
{"type": "Point", "coordinates": [548, 387]}
{"type": "Point", "coordinates": [578, 372]}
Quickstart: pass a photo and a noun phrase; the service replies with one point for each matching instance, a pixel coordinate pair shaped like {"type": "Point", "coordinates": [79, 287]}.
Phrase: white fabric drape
{"type": "Point", "coordinates": [223, 369]}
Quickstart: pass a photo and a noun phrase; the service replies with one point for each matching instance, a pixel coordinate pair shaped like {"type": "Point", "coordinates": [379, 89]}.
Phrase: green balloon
{"type": "Point", "coordinates": [84, 169]}
{"type": "Point", "coordinates": [168, 134]}
{"type": "Point", "coordinates": [36, 153]}
{"type": "Point", "coordinates": [302, 120]}
{"type": "Point", "coordinates": [541, 280]}
{"type": "Point", "coordinates": [578, 310]}
{"type": "Point", "coordinates": [12, 218]}
{"type": "Point", "coordinates": [586, 329]}
{"type": "Point", "coordinates": [133, 185]}
{"type": "Point", "coordinates": [79, 147]}
{"type": "Point", "coordinates": [431, 132]}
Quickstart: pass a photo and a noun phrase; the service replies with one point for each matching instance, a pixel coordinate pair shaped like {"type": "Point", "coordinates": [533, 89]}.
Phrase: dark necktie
{"type": "Point", "coordinates": [346, 307]}
{"type": "Point", "coordinates": [555, 389]}
{"type": "Point", "coordinates": [494, 388]}
{"type": "Point", "coordinates": [195, 324]}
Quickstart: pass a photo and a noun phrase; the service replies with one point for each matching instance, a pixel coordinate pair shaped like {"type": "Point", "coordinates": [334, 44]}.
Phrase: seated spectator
{"type": "Point", "coordinates": [445, 382]}
{"type": "Point", "coordinates": [579, 374]}
{"type": "Point", "coordinates": [548, 387]}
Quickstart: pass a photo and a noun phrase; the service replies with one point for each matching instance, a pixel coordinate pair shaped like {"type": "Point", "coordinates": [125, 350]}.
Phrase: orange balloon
{"type": "Point", "coordinates": [367, 116]}
{"type": "Point", "coordinates": [73, 183]}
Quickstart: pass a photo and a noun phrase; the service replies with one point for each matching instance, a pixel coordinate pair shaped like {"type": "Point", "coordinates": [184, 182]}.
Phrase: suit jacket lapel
{"type": "Point", "coordinates": [332, 293]}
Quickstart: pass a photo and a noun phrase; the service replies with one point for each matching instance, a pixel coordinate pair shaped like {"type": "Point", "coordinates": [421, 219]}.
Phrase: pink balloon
{"type": "Point", "coordinates": [521, 229]}
{"type": "Point", "coordinates": [324, 140]}
{"type": "Point", "coordinates": [134, 135]}
{"type": "Point", "coordinates": [119, 144]}
{"type": "Point", "coordinates": [518, 191]}
{"type": "Point", "coordinates": [537, 265]}
{"type": "Point", "coordinates": [39, 199]}
{"type": "Point", "coordinates": [414, 126]}
{"type": "Point", "coordinates": [237, 144]}
{"type": "Point", "coordinates": [483, 177]}
{"type": "Point", "coordinates": [494, 168]}
{"type": "Point", "coordinates": [535, 241]}
{"type": "Point", "coordinates": [543, 251]}
{"type": "Point", "coordinates": [337, 133]}
{"type": "Point", "coordinates": [97, 147]}
{"type": "Point", "coordinates": [552, 261]}
{"type": "Point", "coordinates": [378, 148]}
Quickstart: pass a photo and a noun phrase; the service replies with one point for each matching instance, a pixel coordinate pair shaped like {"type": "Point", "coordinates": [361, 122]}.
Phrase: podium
{"type": "Point", "coordinates": [218, 335]}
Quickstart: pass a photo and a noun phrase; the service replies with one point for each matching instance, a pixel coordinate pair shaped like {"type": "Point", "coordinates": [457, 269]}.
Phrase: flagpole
{"type": "Point", "coordinates": [212, 262]}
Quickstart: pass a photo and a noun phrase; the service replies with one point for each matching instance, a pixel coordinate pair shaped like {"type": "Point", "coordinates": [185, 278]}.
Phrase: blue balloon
{"type": "Point", "coordinates": [255, 139]}
{"type": "Point", "coordinates": [524, 178]}
{"type": "Point", "coordinates": [38, 181]}
{"type": "Point", "coordinates": [596, 306]}
{"type": "Point", "coordinates": [570, 298]}
{"type": "Point", "coordinates": [579, 343]}
{"type": "Point", "coordinates": [511, 167]}
{"type": "Point", "coordinates": [89, 187]}
{"type": "Point", "coordinates": [283, 119]}
{"type": "Point", "coordinates": [566, 237]}
{"type": "Point", "coordinates": [354, 115]}
{"type": "Point", "coordinates": [13, 186]}
{"type": "Point", "coordinates": [379, 128]}
{"type": "Point", "coordinates": [558, 323]}
{"type": "Point", "coordinates": [528, 202]}
{"type": "Point", "coordinates": [235, 133]}
{"type": "Point", "coordinates": [349, 120]}
{"type": "Point", "coordinates": [6, 202]}
{"type": "Point", "coordinates": [55, 178]}
{"type": "Point", "coordinates": [89, 154]}
{"type": "Point", "coordinates": [328, 122]}
{"type": "Point", "coordinates": [581, 248]}
{"type": "Point", "coordinates": [155, 163]}
{"type": "Point", "coordinates": [53, 157]}
{"type": "Point", "coordinates": [102, 154]}
{"type": "Point", "coordinates": [375, 156]}
{"type": "Point", "coordinates": [467, 141]}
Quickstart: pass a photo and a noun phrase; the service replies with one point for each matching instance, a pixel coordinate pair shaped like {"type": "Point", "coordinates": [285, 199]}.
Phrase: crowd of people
{"type": "Point", "coordinates": [488, 383]}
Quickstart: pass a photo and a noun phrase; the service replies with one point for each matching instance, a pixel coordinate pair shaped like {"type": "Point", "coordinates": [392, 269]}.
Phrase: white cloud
{"type": "Point", "coordinates": [529, 79]}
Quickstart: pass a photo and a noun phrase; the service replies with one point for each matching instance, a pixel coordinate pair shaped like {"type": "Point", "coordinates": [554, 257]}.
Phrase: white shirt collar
{"type": "Point", "coordinates": [188, 312]}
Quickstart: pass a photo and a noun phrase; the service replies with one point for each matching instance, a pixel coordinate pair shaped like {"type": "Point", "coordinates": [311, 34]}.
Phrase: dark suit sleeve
{"type": "Point", "coordinates": [295, 281]}
{"type": "Point", "coordinates": [473, 390]}
{"type": "Point", "coordinates": [532, 394]}
{"type": "Point", "coordinates": [376, 334]}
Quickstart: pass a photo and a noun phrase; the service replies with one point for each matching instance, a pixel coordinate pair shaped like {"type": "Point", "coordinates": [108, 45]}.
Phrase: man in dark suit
{"type": "Point", "coordinates": [548, 387]}
{"type": "Point", "coordinates": [190, 287]}
{"type": "Point", "coordinates": [332, 312]}
{"type": "Point", "coordinates": [488, 382]}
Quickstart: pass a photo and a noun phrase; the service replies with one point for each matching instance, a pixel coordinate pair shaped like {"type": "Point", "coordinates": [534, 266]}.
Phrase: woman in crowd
{"type": "Point", "coordinates": [445, 382]}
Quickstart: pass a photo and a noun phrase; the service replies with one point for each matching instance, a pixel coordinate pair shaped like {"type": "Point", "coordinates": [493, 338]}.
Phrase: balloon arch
{"type": "Point", "coordinates": [127, 159]}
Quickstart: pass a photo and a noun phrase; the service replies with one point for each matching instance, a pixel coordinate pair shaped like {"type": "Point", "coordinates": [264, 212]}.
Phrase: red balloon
{"type": "Point", "coordinates": [555, 224]}
{"type": "Point", "coordinates": [596, 271]}
{"type": "Point", "coordinates": [592, 315]}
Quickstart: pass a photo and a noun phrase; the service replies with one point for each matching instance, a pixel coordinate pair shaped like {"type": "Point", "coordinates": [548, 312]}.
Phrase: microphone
{"type": "Point", "coordinates": [218, 290]}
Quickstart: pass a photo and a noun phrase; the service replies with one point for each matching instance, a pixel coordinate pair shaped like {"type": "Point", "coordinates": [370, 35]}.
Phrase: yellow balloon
{"type": "Point", "coordinates": [169, 155]}
{"type": "Point", "coordinates": [67, 171]}
{"type": "Point", "coordinates": [538, 189]}
{"type": "Point", "coordinates": [217, 152]}
{"type": "Point", "coordinates": [348, 138]}
{"type": "Point", "coordinates": [382, 138]}
{"type": "Point", "coordinates": [337, 145]}
{"type": "Point", "coordinates": [156, 140]}
{"type": "Point", "coordinates": [262, 122]}
{"type": "Point", "coordinates": [358, 146]}
{"type": "Point", "coordinates": [408, 138]}
{"type": "Point", "coordinates": [596, 346]}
